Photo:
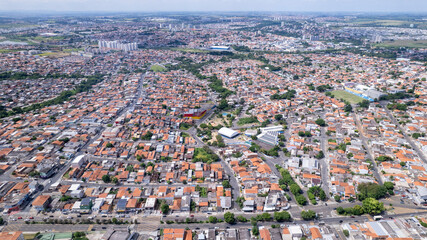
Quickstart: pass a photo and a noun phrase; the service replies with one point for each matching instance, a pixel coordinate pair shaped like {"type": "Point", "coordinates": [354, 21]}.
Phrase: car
{"type": "Point", "coordinates": [69, 217]}
{"type": "Point", "coordinates": [19, 217]}
{"type": "Point", "coordinates": [351, 216]}
{"type": "Point", "coordinates": [340, 221]}
{"type": "Point", "coordinates": [192, 215]}
{"type": "Point", "coordinates": [31, 217]}
{"type": "Point", "coordinates": [104, 227]}
{"type": "Point", "coordinates": [197, 228]}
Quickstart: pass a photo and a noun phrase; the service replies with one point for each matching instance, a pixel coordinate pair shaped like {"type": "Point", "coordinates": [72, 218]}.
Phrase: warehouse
{"type": "Point", "coordinates": [228, 133]}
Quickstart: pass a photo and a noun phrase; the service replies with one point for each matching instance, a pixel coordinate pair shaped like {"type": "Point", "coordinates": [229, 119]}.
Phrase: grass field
{"type": "Point", "coordinates": [341, 94]}
{"type": "Point", "coordinates": [158, 68]}
{"type": "Point", "coordinates": [403, 43]}
{"type": "Point", "coordinates": [190, 50]}
{"type": "Point", "coordinates": [54, 54]}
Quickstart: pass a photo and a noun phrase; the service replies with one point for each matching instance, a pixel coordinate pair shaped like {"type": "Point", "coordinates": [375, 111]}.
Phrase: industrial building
{"type": "Point", "coordinates": [270, 135]}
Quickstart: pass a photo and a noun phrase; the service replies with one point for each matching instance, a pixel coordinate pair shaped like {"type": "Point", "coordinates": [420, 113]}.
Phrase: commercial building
{"type": "Point", "coordinates": [195, 113]}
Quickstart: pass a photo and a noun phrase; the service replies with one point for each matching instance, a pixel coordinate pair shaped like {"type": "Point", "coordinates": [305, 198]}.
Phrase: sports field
{"type": "Point", "coordinates": [341, 94]}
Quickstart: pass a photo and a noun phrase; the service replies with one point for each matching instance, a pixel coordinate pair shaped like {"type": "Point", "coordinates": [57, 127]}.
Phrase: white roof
{"type": "Point", "coordinates": [78, 158]}
{"type": "Point", "coordinates": [74, 187]}
{"type": "Point", "coordinates": [228, 132]}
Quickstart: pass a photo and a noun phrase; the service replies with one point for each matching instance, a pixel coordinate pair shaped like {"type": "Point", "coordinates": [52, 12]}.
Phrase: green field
{"type": "Point", "coordinates": [157, 68]}
{"type": "Point", "coordinates": [190, 50]}
{"type": "Point", "coordinates": [403, 43]}
{"type": "Point", "coordinates": [341, 94]}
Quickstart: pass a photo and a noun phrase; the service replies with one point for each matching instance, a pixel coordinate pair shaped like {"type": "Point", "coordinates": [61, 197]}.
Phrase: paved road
{"type": "Point", "coordinates": [368, 148]}
{"type": "Point", "coordinates": [324, 163]}
{"type": "Point", "coordinates": [19, 226]}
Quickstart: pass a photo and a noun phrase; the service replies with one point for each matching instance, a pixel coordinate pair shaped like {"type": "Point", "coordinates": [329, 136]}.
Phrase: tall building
{"type": "Point", "coordinates": [117, 45]}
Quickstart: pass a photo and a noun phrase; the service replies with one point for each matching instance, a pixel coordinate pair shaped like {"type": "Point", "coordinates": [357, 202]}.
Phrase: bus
{"type": "Point", "coordinates": [378, 217]}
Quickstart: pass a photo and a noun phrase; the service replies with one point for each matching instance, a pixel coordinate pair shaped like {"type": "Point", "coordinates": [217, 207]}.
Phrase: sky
{"type": "Point", "coordinates": [216, 5]}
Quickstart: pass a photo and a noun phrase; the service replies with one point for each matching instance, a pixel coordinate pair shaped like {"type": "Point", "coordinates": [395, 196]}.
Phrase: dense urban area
{"type": "Point", "coordinates": [213, 126]}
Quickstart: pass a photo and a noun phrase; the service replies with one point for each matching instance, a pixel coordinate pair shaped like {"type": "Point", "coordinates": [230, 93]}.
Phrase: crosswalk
{"type": "Point", "coordinates": [12, 227]}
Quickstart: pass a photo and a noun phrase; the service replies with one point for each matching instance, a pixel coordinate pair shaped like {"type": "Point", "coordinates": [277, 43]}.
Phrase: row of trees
{"type": "Point", "coordinates": [369, 206]}
{"type": "Point", "coordinates": [288, 182]}
{"type": "Point", "coordinates": [84, 86]}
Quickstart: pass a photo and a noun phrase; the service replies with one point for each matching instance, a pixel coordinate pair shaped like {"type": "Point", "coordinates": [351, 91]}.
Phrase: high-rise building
{"type": "Point", "coordinates": [117, 45]}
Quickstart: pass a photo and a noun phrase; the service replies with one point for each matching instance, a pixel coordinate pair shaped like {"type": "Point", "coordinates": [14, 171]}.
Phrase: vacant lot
{"type": "Point", "coordinates": [341, 94]}
{"type": "Point", "coordinates": [404, 43]}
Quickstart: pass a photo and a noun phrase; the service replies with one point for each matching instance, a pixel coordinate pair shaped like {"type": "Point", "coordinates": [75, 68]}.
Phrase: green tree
{"type": "Point", "coordinates": [106, 178]}
{"type": "Point", "coordinates": [308, 215]}
{"type": "Point", "coordinates": [337, 198]}
{"type": "Point", "coordinates": [229, 218]}
{"type": "Point", "coordinates": [320, 122]}
{"type": "Point", "coordinates": [282, 216]}
{"type": "Point", "coordinates": [226, 184]}
{"type": "Point", "coordinates": [358, 210]}
{"type": "Point", "coordinates": [346, 233]}
{"type": "Point", "coordinates": [212, 219]}
{"type": "Point", "coordinates": [164, 208]}
{"type": "Point", "coordinates": [301, 200]}
{"type": "Point", "coordinates": [115, 180]}
{"type": "Point", "coordinates": [348, 108]}
{"type": "Point", "coordinates": [295, 189]}
{"type": "Point", "coordinates": [372, 206]}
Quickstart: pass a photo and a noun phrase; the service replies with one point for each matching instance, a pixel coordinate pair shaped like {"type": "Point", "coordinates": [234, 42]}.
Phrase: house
{"type": "Point", "coordinates": [41, 202]}
{"type": "Point", "coordinates": [186, 203]}
{"type": "Point", "coordinates": [86, 205]}
{"type": "Point", "coordinates": [11, 236]}
{"type": "Point", "coordinates": [121, 205]}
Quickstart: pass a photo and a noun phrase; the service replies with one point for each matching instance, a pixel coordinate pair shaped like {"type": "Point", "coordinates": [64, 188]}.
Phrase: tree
{"type": "Point", "coordinates": [389, 185]}
{"type": "Point", "coordinates": [164, 208]}
{"type": "Point", "coordinates": [229, 218]}
{"type": "Point", "coordinates": [320, 122]}
{"type": "Point", "coordinates": [317, 192]}
{"type": "Point", "coordinates": [340, 210]}
{"type": "Point", "coordinates": [308, 215]}
{"type": "Point", "coordinates": [371, 190]}
{"type": "Point", "coordinates": [358, 210]}
{"type": "Point", "coordinates": [372, 206]}
{"type": "Point", "coordinates": [295, 189]}
{"type": "Point", "coordinates": [115, 180]}
{"type": "Point", "coordinates": [212, 219]}
{"type": "Point", "coordinates": [226, 184]}
{"type": "Point", "coordinates": [265, 217]}
{"type": "Point", "coordinates": [346, 233]}
{"type": "Point", "coordinates": [364, 104]}
{"type": "Point", "coordinates": [106, 178]}
{"type": "Point", "coordinates": [282, 216]}
{"type": "Point", "coordinates": [1, 221]}
{"type": "Point", "coordinates": [278, 117]}
{"type": "Point", "coordinates": [337, 198]}
{"type": "Point", "coordinates": [348, 108]}
{"type": "Point", "coordinates": [255, 230]}
{"type": "Point", "coordinates": [301, 200]}
{"type": "Point", "coordinates": [320, 155]}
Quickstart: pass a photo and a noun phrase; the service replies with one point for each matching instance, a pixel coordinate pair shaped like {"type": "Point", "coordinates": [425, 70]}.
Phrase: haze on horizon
{"type": "Point", "coordinates": [415, 6]}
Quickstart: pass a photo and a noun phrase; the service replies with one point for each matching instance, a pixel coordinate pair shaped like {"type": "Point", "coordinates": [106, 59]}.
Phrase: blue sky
{"type": "Point", "coordinates": [216, 5]}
